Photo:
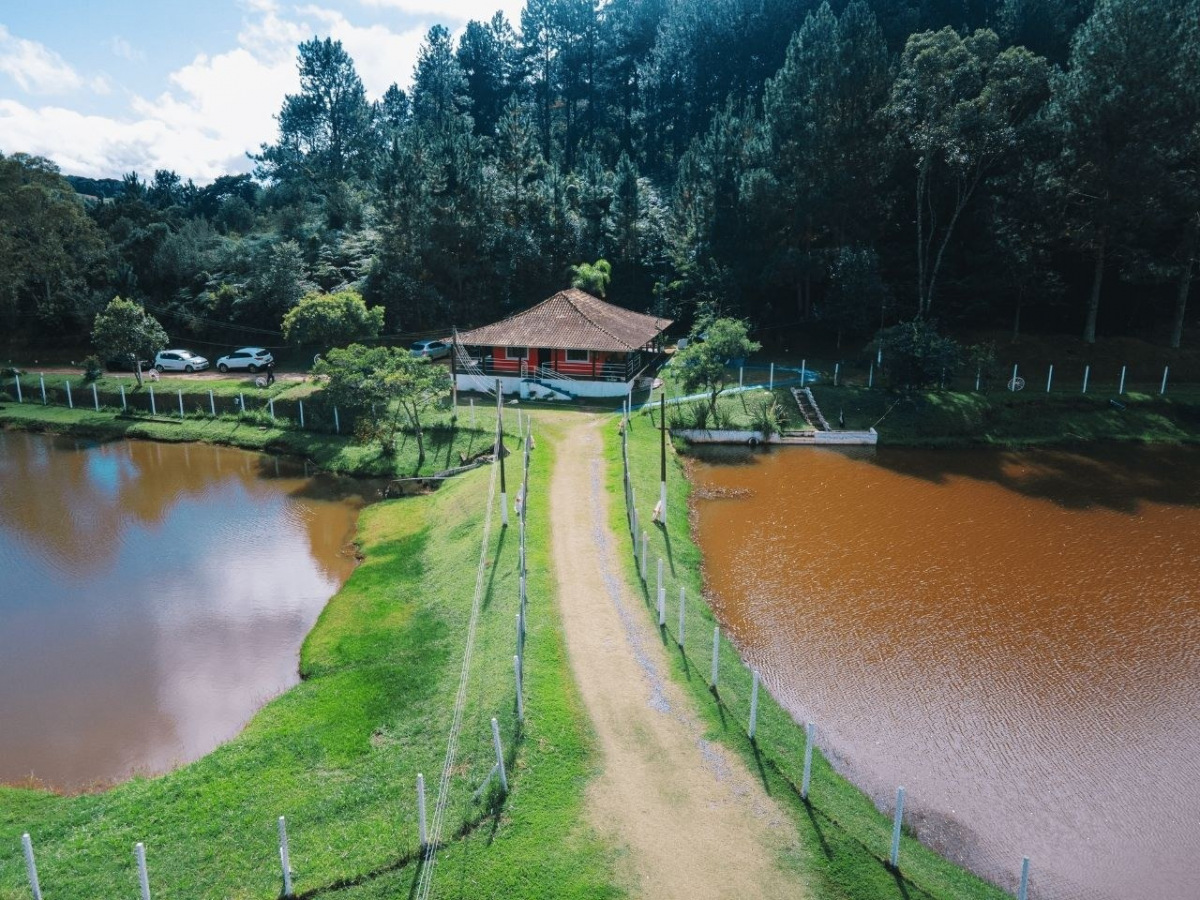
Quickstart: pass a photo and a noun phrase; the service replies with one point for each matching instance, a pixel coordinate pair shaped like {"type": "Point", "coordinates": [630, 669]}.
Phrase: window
{"type": "Point", "coordinates": [580, 356]}
{"type": "Point", "coordinates": [516, 352]}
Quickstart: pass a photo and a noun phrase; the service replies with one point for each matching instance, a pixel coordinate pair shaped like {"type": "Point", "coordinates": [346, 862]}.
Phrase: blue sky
{"type": "Point", "coordinates": [106, 88]}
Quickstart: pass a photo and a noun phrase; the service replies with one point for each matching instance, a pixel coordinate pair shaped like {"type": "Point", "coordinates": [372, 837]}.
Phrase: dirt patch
{"type": "Point", "coordinates": [695, 823]}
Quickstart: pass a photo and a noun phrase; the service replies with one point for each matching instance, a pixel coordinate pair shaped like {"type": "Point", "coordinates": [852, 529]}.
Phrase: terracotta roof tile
{"type": "Point", "coordinates": [570, 320]}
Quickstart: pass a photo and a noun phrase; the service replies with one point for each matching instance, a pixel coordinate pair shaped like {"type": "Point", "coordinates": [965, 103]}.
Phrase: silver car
{"type": "Point", "coordinates": [430, 348]}
{"type": "Point", "coordinates": [179, 361]}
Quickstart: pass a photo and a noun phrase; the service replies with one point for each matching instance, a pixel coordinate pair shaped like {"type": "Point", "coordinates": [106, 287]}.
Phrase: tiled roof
{"type": "Point", "coordinates": [570, 320]}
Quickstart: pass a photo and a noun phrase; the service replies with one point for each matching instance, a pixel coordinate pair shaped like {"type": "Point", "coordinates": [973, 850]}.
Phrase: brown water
{"type": "Point", "coordinates": [1011, 636]}
{"type": "Point", "coordinates": [152, 597]}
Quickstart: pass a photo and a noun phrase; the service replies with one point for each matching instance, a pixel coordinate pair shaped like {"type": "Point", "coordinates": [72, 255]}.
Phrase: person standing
{"type": "Point", "coordinates": [270, 373]}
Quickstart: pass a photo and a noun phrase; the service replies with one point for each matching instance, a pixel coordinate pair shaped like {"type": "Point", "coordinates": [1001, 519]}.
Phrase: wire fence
{"type": "Point", "coordinates": [469, 791]}
{"type": "Point", "coordinates": [738, 690]}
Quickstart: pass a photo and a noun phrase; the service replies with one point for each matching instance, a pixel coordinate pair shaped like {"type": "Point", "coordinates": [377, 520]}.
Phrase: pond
{"type": "Point", "coordinates": [153, 597]}
{"type": "Point", "coordinates": [1013, 636]}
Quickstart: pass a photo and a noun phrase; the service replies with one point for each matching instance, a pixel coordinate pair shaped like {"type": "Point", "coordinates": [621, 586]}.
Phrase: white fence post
{"type": "Point", "coordinates": [662, 596]}
{"type": "Point", "coordinates": [241, 402]}
{"type": "Point", "coordinates": [95, 397]}
{"type": "Point", "coordinates": [1121, 386]}
{"type": "Point", "coordinates": [772, 380]}
{"type": "Point", "coordinates": [741, 375]}
{"type": "Point", "coordinates": [42, 382]}
{"type": "Point", "coordinates": [1050, 378]}
{"type": "Point", "coordinates": [837, 370]}
{"type": "Point", "coordinates": [645, 553]}
{"type": "Point", "coordinates": [124, 406]}
{"type": "Point", "coordinates": [421, 825]}
{"type": "Point", "coordinates": [895, 857]}
{"type": "Point", "coordinates": [499, 755]}
{"type": "Point", "coordinates": [1162, 390]}
{"type": "Point", "coordinates": [1023, 890]}
{"type": "Point", "coordinates": [70, 402]}
{"type": "Point", "coordinates": [803, 371]}
{"type": "Point", "coordinates": [285, 860]}
{"type": "Point", "coordinates": [871, 376]}
{"type": "Point", "coordinates": [520, 699]}
{"type": "Point", "coordinates": [978, 377]}
{"type": "Point", "coordinates": [300, 403]}
{"type": "Point", "coordinates": [753, 705]}
{"type": "Point", "coordinates": [153, 405]}
{"type": "Point", "coordinates": [716, 654]}
{"type": "Point", "coordinates": [180, 404]}
{"type": "Point", "coordinates": [31, 867]}
{"type": "Point", "coordinates": [212, 404]}
{"type": "Point", "coordinates": [139, 851]}
{"type": "Point", "coordinates": [17, 379]}
{"type": "Point", "coordinates": [337, 422]}
{"type": "Point", "coordinates": [810, 732]}
{"type": "Point", "coordinates": [1012, 385]}
{"type": "Point", "coordinates": [679, 640]}
{"type": "Point", "coordinates": [1087, 370]}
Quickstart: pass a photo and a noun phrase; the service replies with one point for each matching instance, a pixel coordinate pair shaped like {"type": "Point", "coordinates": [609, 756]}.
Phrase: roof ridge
{"type": "Point", "coordinates": [566, 294]}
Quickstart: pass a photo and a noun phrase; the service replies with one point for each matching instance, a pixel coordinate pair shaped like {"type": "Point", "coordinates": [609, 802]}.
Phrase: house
{"type": "Point", "coordinates": [572, 344]}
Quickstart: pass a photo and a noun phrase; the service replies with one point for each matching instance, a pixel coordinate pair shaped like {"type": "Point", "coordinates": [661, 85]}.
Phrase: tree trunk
{"type": "Point", "coordinates": [137, 368]}
{"type": "Point", "coordinates": [1185, 284]}
{"type": "Point", "coordinates": [1089, 328]}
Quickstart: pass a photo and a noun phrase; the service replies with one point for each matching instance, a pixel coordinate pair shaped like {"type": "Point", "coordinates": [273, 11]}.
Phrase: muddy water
{"type": "Point", "coordinates": [1011, 636]}
{"type": "Point", "coordinates": [152, 597]}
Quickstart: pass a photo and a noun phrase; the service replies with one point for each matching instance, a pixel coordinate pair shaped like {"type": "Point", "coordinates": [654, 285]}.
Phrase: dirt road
{"type": "Point", "coordinates": [693, 820]}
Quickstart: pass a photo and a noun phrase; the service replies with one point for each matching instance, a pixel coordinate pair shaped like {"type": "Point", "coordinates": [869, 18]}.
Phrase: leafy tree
{"type": "Point", "coordinates": [488, 55]}
{"type": "Point", "coordinates": [703, 363]}
{"type": "Point", "coordinates": [958, 107]}
{"type": "Point", "coordinates": [277, 286]}
{"type": "Point", "coordinates": [387, 387]}
{"type": "Point", "coordinates": [123, 330]}
{"type": "Point", "coordinates": [592, 277]}
{"type": "Point", "coordinates": [325, 131]}
{"type": "Point", "coordinates": [915, 355]}
{"type": "Point", "coordinates": [330, 320]}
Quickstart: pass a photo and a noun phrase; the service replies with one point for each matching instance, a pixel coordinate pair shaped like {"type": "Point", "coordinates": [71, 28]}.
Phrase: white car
{"type": "Point", "coordinates": [249, 358]}
{"type": "Point", "coordinates": [179, 361]}
{"type": "Point", "coordinates": [432, 349]}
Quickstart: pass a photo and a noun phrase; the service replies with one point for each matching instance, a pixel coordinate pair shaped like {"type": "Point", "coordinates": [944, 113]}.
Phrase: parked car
{"type": "Point", "coordinates": [249, 358]}
{"type": "Point", "coordinates": [125, 364]}
{"type": "Point", "coordinates": [432, 349]}
{"type": "Point", "coordinates": [179, 361]}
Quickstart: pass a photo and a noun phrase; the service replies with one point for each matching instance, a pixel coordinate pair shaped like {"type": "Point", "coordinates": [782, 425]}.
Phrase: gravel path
{"type": "Point", "coordinates": [693, 821]}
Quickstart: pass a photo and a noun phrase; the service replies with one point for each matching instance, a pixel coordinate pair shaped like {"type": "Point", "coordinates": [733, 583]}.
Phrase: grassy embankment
{"type": "Point", "coordinates": [847, 839]}
{"type": "Point", "coordinates": [955, 418]}
{"type": "Point", "coordinates": [338, 754]}
{"type": "Point", "coordinates": [446, 440]}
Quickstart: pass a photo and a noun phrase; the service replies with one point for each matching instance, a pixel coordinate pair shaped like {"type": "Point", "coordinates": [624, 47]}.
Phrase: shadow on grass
{"type": "Point", "coordinates": [817, 829]}
{"type": "Point", "coordinates": [495, 564]}
{"type": "Point", "coordinates": [762, 769]}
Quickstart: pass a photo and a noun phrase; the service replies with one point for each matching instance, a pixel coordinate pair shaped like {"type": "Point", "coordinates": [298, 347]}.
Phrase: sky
{"type": "Point", "coordinates": [103, 89]}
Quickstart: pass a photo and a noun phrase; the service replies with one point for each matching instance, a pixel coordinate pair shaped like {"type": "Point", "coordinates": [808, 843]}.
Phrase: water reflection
{"type": "Point", "coordinates": [152, 597]}
{"type": "Point", "coordinates": [1013, 636]}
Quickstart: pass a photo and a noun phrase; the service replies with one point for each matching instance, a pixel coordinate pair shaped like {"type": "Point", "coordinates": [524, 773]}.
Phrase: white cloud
{"type": "Point", "coordinates": [454, 10]}
{"type": "Point", "coordinates": [125, 50]}
{"type": "Point", "coordinates": [381, 56]}
{"type": "Point", "coordinates": [35, 67]}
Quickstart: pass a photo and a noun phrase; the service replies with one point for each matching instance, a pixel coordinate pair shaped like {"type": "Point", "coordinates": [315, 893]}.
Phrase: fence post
{"type": "Point", "coordinates": [772, 380]}
{"type": "Point", "coordinates": [1121, 386]}
{"type": "Point", "coordinates": [212, 404]}
{"type": "Point", "coordinates": [301, 403]}
{"type": "Point", "coordinates": [180, 392]}
{"type": "Point", "coordinates": [337, 422]}
{"type": "Point", "coordinates": [1023, 890]}
{"type": "Point", "coordinates": [1162, 390]}
{"type": "Point", "coordinates": [1087, 370]}
{"type": "Point", "coordinates": [871, 376]}
{"type": "Point", "coordinates": [42, 382]}
{"type": "Point", "coordinates": [741, 374]}
{"type": "Point", "coordinates": [472, 412]}
{"type": "Point", "coordinates": [153, 405]}
{"type": "Point", "coordinates": [499, 755]}
{"type": "Point", "coordinates": [679, 641]}
{"type": "Point", "coordinates": [662, 596]}
{"type": "Point", "coordinates": [895, 857]}
{"type": "Point", "coordinates": [810, 732]}
{"type": "Point", "coordinates": [139, 851]}
{"type": "Point", "coordinates": [285, 861]}
{"type": "Point", "coordinates": [95, 397]}
{"type": "Point", "coordinates": [753, 705]}
{"type": "Point", "coordinates": [31, 867]}
{"type": "Point", "coordinates": [124, 406]}
{"type": "Point", "coordinates": [645, 554]}
{"type": "Point", "coordinates": [70, 402]}
{"type": "Point", "coordinates": [1050, 378]}
{"type": "Point", "coordinates": [716, 654]}
{"type": "Point", "coordinates": [271, 407]}
{"type": "Point", "coordinates": [978, 376]}
{"type": "Point", "coordinates": [17, 379]}
{"type": "Point", "coordinates": [424, 831]}
{"type": "Point", "coordinates": [1012, 385]}
{"type": "Point", "coordinates": [241, 402]}
{"type": "Point", "coordinates": [520, 699]}
{"type": "Point", "coordinates": [837, 368]}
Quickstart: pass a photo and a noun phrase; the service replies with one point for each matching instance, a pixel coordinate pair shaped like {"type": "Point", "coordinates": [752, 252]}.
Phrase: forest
{"type": "Point", "coordinates": [831, 166]}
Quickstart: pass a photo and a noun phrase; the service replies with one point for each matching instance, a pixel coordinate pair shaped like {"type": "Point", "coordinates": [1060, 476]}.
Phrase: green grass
{"type": "Point", "coordinates": [339, 753]}
{"type": "Point", "coordinates": [845, 838]}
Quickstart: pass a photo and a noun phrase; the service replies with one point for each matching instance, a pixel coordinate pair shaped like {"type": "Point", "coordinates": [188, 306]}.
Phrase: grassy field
{"type": "Point", "coordinates": [848, 840]}
{"type": "Point", "coordinates": [338, 754]}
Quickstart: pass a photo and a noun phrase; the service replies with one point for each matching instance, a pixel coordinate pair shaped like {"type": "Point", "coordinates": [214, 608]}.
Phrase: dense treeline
{"type": "Point", "coordinates": [841, 164]}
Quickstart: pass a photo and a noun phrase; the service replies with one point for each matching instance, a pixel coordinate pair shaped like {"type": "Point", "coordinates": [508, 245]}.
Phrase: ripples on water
{"type": "Point", "coordinates": [152, 598]}
{"type": "Point", "coordinates": [1012, 636]}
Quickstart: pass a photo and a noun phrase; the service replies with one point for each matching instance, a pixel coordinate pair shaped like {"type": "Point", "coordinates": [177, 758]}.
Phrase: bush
{"type": "Point", "coordinates": [92, 368]}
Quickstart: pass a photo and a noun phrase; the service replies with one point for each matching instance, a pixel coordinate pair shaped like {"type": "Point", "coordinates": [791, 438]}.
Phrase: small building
{"type": "Point", "coordinates": [572, 344]}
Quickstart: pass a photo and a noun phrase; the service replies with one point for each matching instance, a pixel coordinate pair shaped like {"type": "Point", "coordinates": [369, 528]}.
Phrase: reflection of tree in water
{"type": "Point", "coordinates": [74, 503]}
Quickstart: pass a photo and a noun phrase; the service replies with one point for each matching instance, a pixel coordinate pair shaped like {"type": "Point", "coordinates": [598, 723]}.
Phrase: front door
{"type": "Point", "coordinates": [546, 358]}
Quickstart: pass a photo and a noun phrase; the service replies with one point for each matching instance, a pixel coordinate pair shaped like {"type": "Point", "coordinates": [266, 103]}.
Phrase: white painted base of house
{"type": "Point", "coordinates": [516, 386]}
{"type": "Point", "coordinates": [820, 438]}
